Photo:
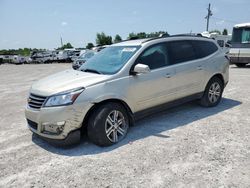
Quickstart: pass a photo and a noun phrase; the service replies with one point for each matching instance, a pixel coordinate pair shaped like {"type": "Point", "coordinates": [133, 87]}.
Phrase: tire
{"type": "Point", "coordinates": [213, 92]}
{"type": "Point", "coordinates": [240, 64]}
{"type": "Point", "coordinates": [108, 124]}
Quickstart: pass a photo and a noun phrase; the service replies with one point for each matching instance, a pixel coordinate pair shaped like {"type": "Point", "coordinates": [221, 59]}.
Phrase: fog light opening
{"type": "Point", "coordinates": [53, 128]}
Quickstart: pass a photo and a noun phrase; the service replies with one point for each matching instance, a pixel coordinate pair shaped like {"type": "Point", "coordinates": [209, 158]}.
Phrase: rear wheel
{"type": "Point", "coordinates": [240, 64]}
{"type": "Point", "coordinates": [108, 124]}
{"type": "Point", "coordinates": [213, 93]}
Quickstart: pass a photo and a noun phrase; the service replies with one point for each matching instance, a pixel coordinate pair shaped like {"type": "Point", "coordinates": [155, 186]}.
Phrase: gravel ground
{"type": "Point", "coordinates": [186, 146]}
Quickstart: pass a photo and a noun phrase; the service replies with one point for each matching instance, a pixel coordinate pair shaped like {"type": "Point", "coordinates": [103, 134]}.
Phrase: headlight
{"type": "Point", "coordinates": [62, 99]}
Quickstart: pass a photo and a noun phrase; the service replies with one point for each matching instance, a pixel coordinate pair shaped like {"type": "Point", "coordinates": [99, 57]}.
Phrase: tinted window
{"type": "Point", "coordinates": [154, 57]}
{"type": "Point", "coordinates": [180, 51]}
{"type": "Point", "coordinates": [204, 48]}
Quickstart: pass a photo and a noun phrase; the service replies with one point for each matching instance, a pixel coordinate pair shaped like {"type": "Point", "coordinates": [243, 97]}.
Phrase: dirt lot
{"type": "Point", "coordinates": [186, 146]}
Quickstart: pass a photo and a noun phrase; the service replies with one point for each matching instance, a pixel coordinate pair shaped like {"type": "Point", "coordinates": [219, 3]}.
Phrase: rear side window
{"type": "Point", "coordinates": [204, 48]}
{"type": "Point", "coordinates": [181, 51]}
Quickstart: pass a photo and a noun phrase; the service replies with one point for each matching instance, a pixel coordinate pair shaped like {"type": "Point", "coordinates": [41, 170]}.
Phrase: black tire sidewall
{"type": "Point", "coordinates": [205, 99]}
{"type": "Point", "coordinates": [96, 123]}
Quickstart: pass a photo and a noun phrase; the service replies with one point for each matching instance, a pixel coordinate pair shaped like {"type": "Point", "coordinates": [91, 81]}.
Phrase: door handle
{"type": "Point", "coordinates": [199, 67]}
{"type": "Point", "coordinates": [168, 75]}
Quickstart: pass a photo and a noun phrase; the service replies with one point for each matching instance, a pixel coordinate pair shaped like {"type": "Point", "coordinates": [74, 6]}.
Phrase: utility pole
{"type": "Point", "coordinates": [209, 14]}
{"type": "Point", "coordinates": [61, 42]}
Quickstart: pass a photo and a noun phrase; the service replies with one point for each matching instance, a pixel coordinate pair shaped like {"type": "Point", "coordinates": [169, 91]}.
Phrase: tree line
{"type": "Point", "coordinates": [101, 39]}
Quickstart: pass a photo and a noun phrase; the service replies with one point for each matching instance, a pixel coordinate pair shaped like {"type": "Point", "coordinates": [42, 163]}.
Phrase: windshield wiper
{"type": "Point", "coordinates": [91, 70]}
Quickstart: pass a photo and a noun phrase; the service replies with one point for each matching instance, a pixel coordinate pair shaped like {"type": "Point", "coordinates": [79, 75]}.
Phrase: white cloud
{"type": "Point", "coordinates": [64, 23]}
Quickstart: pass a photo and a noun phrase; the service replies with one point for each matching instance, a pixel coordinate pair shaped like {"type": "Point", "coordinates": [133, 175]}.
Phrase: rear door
{"type": "Point", "coordinates": [189, 69]}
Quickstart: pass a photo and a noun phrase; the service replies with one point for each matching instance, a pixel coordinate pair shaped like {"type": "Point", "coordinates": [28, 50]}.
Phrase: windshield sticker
{"type": "Point", "coordinates": [129, 49]}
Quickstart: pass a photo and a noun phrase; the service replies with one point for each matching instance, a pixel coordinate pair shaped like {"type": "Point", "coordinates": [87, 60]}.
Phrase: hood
{"type": "Point", "coordinates": [66, 80]}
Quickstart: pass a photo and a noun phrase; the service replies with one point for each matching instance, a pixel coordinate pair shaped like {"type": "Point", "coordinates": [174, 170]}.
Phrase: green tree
{"type": "Point", "coordinates": [65, 46]}
{"type": "Point", "coordinates": [103, 39]}
{"type": "Point", "coordinates": [132, 35]}
{"type": "Point", "coordinates": [157, 34]}
{"type": "Point", "coordinates": [118, 38]}
{"type": "Point", "coordinates": [225, 32]}
{"type": "Point", "coordinates": [142, 35]}
{"type": "Point", "coordinates": [20, 51]}
{"type": "Point", "coordinates": [90, 45]}
{"type": "Point", "coordinates": [215, 31]}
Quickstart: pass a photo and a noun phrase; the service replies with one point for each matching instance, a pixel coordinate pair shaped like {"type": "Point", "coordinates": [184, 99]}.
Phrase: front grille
{"type": "Point", "coordinates": [36, 101]}
{"type": "Point", "coordinates": [32, 124]}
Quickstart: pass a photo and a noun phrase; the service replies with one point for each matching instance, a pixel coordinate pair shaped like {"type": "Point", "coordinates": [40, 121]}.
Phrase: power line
{"type": "Point", "coordinates": [229, 21]}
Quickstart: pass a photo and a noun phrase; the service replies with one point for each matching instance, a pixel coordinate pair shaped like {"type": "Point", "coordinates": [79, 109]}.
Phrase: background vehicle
{"type": "Point", "coordinates": [123, 82]}
{"type": "Point", "coordinates": [240, 51]}
{"type": "Point", "coordinates": [76, 53]}
{"type": "Point", "coordinates": [47, 56]}
{"type": "Point", "coordinates": [17, 59]}
{"type": "Point", "coordinates": [83, 58]}
{"type": "Point", "coordinates": [222, 40]}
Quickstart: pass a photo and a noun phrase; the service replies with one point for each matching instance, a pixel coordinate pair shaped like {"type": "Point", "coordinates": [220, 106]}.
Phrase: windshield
{"type": "Point", "coordinates": [110, 60]}
{"type": "Point", "coordinates": [241, 35]}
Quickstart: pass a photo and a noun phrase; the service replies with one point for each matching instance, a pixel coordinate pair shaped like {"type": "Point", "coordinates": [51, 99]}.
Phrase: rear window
{"type": "Point", "coordinates": [204, 48]}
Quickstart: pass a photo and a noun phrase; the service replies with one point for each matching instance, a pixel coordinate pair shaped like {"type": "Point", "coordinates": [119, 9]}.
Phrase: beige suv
{"type": "Point", "coordinates": [125, 81]}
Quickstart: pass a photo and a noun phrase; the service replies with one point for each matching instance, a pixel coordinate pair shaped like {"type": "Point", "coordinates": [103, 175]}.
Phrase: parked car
{"type": "Point", "coordinates": [76, 54]}
{"type": "Point", "coordinates": [83, 58]}
{"type": "Point", "coordinates": [222, 40]}
{"type": "Point", "coordinates": [123, 82]}
{"type": "Point", "coordinates": [18, 59]}
{"type": "Point", "coordinates": [47, 56]}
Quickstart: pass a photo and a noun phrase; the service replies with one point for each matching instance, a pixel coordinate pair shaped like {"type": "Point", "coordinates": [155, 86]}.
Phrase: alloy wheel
{"type": "Point", "coordinates": [214, 92]}
{"type": "Point", "coordinates": [115, 126]}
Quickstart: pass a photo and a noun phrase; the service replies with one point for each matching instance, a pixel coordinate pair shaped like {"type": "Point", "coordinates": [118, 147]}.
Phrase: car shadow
{"type": "Point", "coordinates": [152, 125]}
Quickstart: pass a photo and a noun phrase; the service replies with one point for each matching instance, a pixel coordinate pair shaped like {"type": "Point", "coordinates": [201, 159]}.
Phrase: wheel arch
{"type": "Point", "coordinates": [98, 104]}
{"type": "Point", "coordinates": [220, 76]}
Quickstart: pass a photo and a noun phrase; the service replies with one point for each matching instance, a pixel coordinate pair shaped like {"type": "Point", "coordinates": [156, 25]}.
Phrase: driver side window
{"type": "Point", "coordinates": [155, 57]}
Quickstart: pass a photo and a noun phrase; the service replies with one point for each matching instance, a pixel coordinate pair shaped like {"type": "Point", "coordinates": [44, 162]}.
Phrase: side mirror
{"type": "Point", "coordinates": [141, 69]}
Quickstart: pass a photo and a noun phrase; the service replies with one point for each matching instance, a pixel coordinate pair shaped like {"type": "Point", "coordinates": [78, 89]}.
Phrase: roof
{"type": "Point", "coordinates": [242, 25]}
{"type": "Point", "coordinates": [139, 42]}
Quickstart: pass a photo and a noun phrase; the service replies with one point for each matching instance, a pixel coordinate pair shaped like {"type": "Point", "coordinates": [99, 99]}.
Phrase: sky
{"type": "Point", "coordinates": [41, 23]}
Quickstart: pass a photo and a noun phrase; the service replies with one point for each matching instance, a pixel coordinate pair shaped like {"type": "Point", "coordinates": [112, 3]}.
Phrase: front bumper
{"type": "Point", "coordinates": [72, 117]}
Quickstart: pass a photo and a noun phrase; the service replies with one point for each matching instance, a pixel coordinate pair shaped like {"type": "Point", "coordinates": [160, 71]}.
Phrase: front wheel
{"type": "Point", "coordinates": [213, 92]}
{"type": "Point", "coordinates": [108, 124]}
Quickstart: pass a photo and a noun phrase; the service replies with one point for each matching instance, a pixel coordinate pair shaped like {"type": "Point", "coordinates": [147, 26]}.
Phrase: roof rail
{"type": "Point", "coordinates": [165, 35]}
{"type": "Point", "coordinates": [189, 35]}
